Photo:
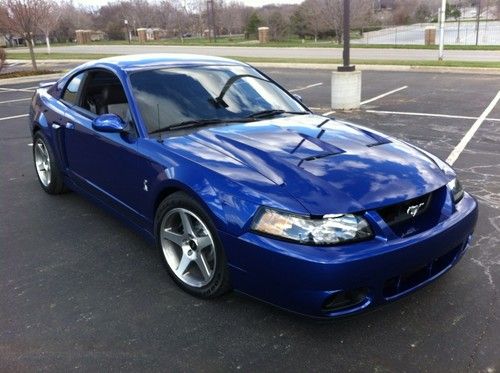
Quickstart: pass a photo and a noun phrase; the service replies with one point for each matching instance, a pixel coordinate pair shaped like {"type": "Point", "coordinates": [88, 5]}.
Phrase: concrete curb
{"type": "Point", "coordinates": [27, 79]}
{"type": "Point", "coordinates": [289, 65]}
{"type": "Point", "coordinates": [434, 69]}
{"type": "Point", "coordinates": [38, 62]}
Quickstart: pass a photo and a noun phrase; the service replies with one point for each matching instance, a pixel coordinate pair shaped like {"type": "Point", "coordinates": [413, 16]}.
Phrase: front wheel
{"type": "Point", "coordinates": [46, 167]}
{"type": "Point", "coordinates": [190, 248]}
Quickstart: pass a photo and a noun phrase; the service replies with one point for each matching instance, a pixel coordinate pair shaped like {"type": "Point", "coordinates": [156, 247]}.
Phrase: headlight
{"type": "Point", "coordinates": [328, 230]}
{"type": "Point", "coordinates": [456, 190]}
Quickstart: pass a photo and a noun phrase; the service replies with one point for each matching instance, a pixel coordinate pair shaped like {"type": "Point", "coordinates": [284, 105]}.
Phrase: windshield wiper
{"type": "Point", "coordinates": [274, 112]}
{"type": "Point", "coordinates": [193, 123]}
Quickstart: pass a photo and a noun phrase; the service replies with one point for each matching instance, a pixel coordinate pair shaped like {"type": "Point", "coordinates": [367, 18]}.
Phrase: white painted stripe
{"type": "Point", "coordinates": [383, 95]}
{"type": "Point", "coordinates": [427, 115]}
{"type": "Point", "coordinates": [306, 87]}
{"type": "Point", "coordinates": [14, 117]}
{"type": "Point", "coordinates": [17, 100]}
{"type": "Point", "coordinates": [468, 136]}
{"type": "Point", "coordinates": [373, 98]}
{"type": "Point", "coordinates": [16, 89]}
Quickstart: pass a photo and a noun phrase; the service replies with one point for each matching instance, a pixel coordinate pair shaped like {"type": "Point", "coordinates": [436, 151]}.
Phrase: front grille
{"type": "Point", "coordinates": [414, 215]}
{"type": "Point", "coordinates": [399, 213]}
{"type": "Point", "coordinates": [411, 279]}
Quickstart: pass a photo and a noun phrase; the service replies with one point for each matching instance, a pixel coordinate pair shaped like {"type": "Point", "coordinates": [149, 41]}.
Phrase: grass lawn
{"type": "Point", "coordinates": [445, 63]}
{"type": "Point", "coordinates": [239, 41]}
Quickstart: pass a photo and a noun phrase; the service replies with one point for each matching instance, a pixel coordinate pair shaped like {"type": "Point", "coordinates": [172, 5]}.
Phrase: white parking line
{"type": "Point", "coordinates": [374, 98]}
{"type": "Point", "coordinates": [383, 95]}
{"type": "Point", "coordinates": [468, 136]}
{"type": "Point", "coordinates": [14, 117]}
{"type": "Point", "coordinates": [29, 89]}
{"type": "Point", "coordinates": [16, 100]}
{"type": "Point", "coordinates": [428, 115]}
{"type": "Point", "coordinates": [306, 87]}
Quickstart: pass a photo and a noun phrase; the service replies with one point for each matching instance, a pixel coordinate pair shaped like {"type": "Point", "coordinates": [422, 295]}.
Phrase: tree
{"type": "Point", "coordinates": [278, 27]}
{"type": "Point", "coordinates": [3, 56]}
{"type": "Point", "coordinates": [332, 13]}
{"type": "Point", "coordinates": [307, 19]}
{"type": "Point", "coordinates": [453, 11]}
{"type": "Point", "coordinates": [423, 13]}
{"type": "Point", "coordinates": [23, 17]}
{"type": "Point", "coordinates": [74, 19]}
{"type": "Point", "coordinates": [48, 19]}
{"type": "Point", "coordinates": [253, 24]}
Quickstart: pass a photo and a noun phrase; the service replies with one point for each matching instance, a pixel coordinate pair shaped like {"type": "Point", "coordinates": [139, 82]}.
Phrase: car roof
{"type": "Point", "coordinates": [136, 62]}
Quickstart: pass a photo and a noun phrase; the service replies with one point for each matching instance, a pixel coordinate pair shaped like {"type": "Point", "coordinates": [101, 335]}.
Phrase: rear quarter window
{"type": "Point", "coordinates": [70, 94]}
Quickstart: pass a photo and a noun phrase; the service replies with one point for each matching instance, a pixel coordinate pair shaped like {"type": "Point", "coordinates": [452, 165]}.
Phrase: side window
{"type": "Point", "coordinates": [70, 94]}
{"type": "Point", "coordinates": [103, 93]}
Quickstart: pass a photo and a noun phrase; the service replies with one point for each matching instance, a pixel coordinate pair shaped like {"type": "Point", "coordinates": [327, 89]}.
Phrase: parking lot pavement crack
{"type": "Point", "coordinates": [489, 258]}
{"type": "Point", "coordinates": [479, 340]}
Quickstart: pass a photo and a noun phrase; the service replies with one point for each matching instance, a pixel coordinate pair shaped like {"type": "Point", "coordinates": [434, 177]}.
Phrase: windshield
{"type": "Point", "coordinates": [170, 96]}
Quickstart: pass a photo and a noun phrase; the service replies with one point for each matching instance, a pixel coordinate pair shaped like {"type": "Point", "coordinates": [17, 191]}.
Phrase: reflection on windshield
{"type": "Point", "coordinates": [174, 95]}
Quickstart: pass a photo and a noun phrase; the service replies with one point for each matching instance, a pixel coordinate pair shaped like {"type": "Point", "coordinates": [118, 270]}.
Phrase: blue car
{"type": "Point", "coordinates": [240, 186]}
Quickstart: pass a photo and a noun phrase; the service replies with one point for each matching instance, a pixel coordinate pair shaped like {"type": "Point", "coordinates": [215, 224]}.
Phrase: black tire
{"type": "Point", "coordinates": [55, 183]}
{"type": "Point", "coordinates": [219, 283]}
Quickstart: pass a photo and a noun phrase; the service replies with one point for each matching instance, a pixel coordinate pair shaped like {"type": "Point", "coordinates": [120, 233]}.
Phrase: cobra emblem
{"type": "Point", "coordinates": [413, 210]}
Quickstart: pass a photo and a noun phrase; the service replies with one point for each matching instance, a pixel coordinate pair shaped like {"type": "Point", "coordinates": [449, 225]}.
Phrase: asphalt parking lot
{"type": "Point", "coordinates": [79, 290]}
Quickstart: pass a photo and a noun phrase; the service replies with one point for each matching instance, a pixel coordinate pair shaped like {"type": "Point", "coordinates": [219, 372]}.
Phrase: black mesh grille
{"type": "Point", "coordinates": [414, 215]}
{"type": "Point", "coordinates": [401, 212]}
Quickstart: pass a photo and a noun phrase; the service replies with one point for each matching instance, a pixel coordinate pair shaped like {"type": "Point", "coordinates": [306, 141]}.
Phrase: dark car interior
{"type": "Point", "coordinates": [104, 94]}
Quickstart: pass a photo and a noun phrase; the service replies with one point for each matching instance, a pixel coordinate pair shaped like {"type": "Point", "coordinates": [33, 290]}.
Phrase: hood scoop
{"type": "Point", "coordinates": [325, 149]}
{"type": "Point", "coordinates": [378, 139]}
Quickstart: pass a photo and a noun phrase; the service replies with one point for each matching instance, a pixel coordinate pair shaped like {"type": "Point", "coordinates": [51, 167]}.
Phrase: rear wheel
{"type": "Point", "coordinates": [46, 167]}
{"type": "Point", "coordinates": [190, 248]}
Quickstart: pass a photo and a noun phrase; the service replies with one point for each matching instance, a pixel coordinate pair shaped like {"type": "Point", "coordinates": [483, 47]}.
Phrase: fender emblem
{"type": "Point", "coordinates": [145, 187]}
{"type": "Point", "coordinates": [413, 210]}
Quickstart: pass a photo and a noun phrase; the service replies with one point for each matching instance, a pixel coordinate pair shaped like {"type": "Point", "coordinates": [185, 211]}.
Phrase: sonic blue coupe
{"type": "Point", "coordinates": [240, 186]}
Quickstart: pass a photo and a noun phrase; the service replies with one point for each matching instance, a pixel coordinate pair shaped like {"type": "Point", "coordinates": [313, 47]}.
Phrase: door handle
{"type": "Point", "coordinates": [56, 126]}
{"type": "Point", "coordinates": [69, 126]}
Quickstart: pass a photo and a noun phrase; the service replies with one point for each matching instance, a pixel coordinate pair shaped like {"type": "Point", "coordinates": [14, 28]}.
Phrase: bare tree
{"type": "Point", "coordinates": [48, 19]}
{"type": "Point", "coordinates": [23, 17]}
{"type": "Point", "coordinates": [3, 56]}
{"type": "Point", "coordinates": [231, 16]}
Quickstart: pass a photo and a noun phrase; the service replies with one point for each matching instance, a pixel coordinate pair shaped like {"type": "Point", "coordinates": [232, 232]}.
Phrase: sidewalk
{"type": "Point", "coordinates": [281, 52]}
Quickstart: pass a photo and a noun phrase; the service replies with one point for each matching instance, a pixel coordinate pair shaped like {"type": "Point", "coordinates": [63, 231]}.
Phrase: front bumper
{"type": "Point", "coordinates": [305, 279]}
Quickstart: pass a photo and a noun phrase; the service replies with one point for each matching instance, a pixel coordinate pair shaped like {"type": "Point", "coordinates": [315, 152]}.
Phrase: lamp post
{"type": "Point", "coordinates": [346, 81]}
{"type": "Point", "coordinates": [128, 31]}
{"type": "Point", "coordinates": [346, 53]}
{"type": "Point", "coordinates": [442, 20]}
{"type": "Point", "coordinates": [478, 18]}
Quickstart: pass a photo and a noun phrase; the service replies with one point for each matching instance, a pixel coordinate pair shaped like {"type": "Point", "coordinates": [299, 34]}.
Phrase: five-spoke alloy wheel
{"type": "Point", "coordinates": [46, 166]}
{"type": "Point", "coordinates": [190, 247]}
{"type": "Point", "coordinates": [42, 161]}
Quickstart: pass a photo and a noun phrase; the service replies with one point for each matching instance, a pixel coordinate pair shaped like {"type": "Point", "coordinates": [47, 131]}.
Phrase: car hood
{"type": "Point", "coordinates": [328, 166]}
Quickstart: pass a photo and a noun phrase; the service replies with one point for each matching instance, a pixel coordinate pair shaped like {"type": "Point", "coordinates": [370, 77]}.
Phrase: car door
{"type": "Point", "coordinates": [107, 165]}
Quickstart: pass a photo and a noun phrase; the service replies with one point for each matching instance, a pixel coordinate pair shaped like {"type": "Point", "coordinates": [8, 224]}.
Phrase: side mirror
{"type": "Point", "coordinates": [108, 123]}
{"type": "Point", "coordinates": [297, 97]}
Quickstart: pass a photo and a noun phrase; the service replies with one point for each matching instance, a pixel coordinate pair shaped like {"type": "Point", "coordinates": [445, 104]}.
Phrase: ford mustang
{"type": "Point", "coordinates": [240, 186]}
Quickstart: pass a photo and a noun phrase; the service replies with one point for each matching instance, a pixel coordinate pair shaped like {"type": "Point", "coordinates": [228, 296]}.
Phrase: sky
{"type": "Point", "coordinates": [255, 3]}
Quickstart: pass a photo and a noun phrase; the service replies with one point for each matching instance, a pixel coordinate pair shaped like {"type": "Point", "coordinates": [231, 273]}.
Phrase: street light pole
{"type": "Point", "coordinates": [442, 19]}
{"type": "Point", "coordinates": [346, 81]}
{"type": "Point", "coordinates": [346, 53]}
{"type": "Point", "coordinates": [128, 32]}
{"type": "Point", "coordinates": [478, 16]}
{"type": "Point", "coordinates": [209, 22]}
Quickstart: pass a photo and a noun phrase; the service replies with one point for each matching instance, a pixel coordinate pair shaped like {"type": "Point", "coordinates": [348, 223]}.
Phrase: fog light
{"type": "Point", "coordinates": [345, 299]}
